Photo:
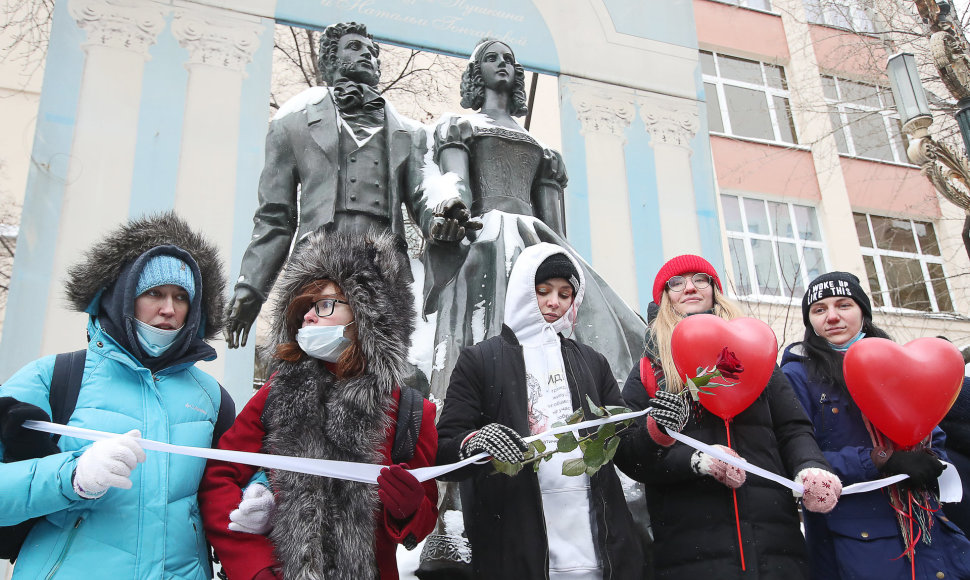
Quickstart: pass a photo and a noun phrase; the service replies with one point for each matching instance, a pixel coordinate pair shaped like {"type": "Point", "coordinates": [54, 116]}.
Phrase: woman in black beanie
{"type": "Point", "coordinates": [866, 535]}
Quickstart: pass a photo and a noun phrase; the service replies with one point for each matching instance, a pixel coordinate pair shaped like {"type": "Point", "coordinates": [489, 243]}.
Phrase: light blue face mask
{"type": "Point", "coordinates": [846, 346]}
{"type": "Point", "coordinates": [154, 341]}
{"type": "Point", "coordinates": [323, 342]}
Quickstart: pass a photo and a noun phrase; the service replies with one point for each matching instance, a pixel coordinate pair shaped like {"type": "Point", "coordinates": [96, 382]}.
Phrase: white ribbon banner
{"type": "Point", "coordinates": [362, 472]}
{"type": "Point", "coordinates": [951, 488]}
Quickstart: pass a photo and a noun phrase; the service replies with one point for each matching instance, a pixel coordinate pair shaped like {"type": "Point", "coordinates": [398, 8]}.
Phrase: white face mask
{"type": "Point", "coordinates": [154, 341]}
{"type": "Point", "coordinates": [323, 342]}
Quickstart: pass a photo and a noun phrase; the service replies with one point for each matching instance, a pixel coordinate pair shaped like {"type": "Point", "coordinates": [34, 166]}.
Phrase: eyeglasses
{"type": "Point", "coordinates": [324, 308]}
{"type": "Point", "coordinates": [678, 283]}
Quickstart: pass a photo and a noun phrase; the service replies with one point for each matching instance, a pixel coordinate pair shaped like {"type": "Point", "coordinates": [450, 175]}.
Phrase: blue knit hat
{"type": "Point", "coordinates": [164, 269]}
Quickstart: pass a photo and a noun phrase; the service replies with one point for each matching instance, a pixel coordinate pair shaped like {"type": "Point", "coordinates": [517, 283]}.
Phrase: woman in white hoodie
{"type": "Point", "coordinates": [545, 524]}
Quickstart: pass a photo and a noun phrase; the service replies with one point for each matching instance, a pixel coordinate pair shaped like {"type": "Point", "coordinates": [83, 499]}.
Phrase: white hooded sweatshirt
{"type": "Point", "coordinates": [565, 500]}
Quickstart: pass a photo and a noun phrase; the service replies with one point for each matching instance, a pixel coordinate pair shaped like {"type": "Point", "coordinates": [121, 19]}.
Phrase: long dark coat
{"type": "Point", "coordinates": [693, 519]}
{"type": "Point", "coordinates": [503, 515]}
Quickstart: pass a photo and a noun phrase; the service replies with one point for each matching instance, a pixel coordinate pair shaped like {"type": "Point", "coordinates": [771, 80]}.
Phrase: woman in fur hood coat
{"type": "Point", "coordinates": [154, 292]}
{"type": "Point", "coordinates": [339, 342]}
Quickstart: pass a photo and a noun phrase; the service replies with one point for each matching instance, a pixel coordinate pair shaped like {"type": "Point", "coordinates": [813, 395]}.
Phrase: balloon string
{"type": "Point", "coordinates": [734, 493]}
{"type": "Point", "coordinates": [912, 557]}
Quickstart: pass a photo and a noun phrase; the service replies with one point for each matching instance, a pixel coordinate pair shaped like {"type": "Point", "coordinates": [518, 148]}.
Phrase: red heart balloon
{"type": "Point", "coordinates": [699, 339]}
{"type": "Point", "coordinates": [904, 390]}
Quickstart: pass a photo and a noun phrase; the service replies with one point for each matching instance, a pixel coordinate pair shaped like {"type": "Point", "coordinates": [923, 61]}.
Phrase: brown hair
{"type": "Point", "coordinates": [351, 362]}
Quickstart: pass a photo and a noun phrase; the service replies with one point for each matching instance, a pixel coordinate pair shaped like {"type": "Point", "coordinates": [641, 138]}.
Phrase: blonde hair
{"type": "Point", "coordinates": [662, 329]}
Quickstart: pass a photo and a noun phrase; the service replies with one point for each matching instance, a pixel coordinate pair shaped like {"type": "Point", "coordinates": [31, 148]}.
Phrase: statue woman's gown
{"type": "Point", "coordinates": [469, 293]}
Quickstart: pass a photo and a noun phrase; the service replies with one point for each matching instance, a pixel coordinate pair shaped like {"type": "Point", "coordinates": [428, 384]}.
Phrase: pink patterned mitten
{"type": "Point", "coordinates": [729, 475]}
{"type": "Point", "coordinates": [822, 489]}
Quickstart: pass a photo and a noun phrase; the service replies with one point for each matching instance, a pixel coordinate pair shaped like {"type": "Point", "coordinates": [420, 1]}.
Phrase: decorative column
{"type": "Point", "coordinates": [605, 112]}
{"type": "Point", "coordinates": [220, 44]}
{"type": "Point", "coordinates": [672, 123]}
{"type": "Point", "coordinates": [98, 188]}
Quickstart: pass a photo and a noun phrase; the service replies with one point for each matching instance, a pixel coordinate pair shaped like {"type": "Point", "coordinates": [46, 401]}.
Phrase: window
{"type": "Point", "coordinates": [864, 119]}
{"type": "Point", "coordinates": [747, 98]}
{"type": "Point", "coordinates": [758, 4]}
{"type": "Point", "coordinates": [848, 14]}
{"type": "Point", "coordinates": [903, 263]}
{"type": "Point", "coordinates": [776, 248]}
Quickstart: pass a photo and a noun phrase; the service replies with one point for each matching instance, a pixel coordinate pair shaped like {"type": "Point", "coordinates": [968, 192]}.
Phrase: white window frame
{"type": "Point", "coordinates": [835, 13]}
{"type": "Point", "coordinates": [923, 259]}
{"type": "Point", "coordinates": [800, 244]}
{"type": "Point", "coordinates": [770, 93]}
{"type": "Point", "coordinates": [886, 110]}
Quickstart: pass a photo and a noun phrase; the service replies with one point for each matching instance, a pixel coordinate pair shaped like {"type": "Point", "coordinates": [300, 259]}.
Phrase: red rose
{"type": "Point", "coordinates": [728, 364]}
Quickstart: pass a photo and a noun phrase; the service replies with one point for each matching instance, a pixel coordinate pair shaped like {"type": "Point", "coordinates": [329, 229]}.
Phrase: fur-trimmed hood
{"type": "Point", "coordinates": [103, 264]}
{"type": "Point", "coordinates": [374, 276]}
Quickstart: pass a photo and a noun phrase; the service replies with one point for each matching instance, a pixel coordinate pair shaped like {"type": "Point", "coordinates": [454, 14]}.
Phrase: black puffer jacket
{"type": "Point", "coordinates": [693, 515]}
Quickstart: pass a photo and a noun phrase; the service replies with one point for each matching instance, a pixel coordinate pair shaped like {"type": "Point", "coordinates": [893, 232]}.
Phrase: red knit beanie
{"type": "Point", "coordinates": [679, 266]}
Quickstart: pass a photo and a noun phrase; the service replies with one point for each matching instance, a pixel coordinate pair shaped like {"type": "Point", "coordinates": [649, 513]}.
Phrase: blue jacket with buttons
{"type": "Point", "coordinates": [860, 538]}
{"type": "Point", "coordinates": [153, 530]}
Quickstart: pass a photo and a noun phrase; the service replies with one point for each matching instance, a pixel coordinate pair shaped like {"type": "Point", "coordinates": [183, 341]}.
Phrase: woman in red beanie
{"type": "Point", "coordinates": [689, 493]}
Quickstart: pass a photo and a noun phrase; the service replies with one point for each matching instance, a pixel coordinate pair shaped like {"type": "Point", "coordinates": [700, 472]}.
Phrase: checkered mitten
{"type": "Point", "coordinates": [499, 441]}
{"type": "Point", "coordinates": [670, 410]}
{"type": "Point", "coordinates": [703, 464]}
{"type": "Point", "coordinates": [822, 489]}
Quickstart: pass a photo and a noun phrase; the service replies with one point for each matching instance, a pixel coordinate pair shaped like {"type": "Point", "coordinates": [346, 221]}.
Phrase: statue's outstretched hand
{"type": "Point", "coordinates": [243, 309]}
{"type": "Point", "coordinates": [451, 221]}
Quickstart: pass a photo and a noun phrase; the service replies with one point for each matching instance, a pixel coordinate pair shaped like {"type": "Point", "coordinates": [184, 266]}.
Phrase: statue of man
{"type": "Point", "coordinates": [338, 158]}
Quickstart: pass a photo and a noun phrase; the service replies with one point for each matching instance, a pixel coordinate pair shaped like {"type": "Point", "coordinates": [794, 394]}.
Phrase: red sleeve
{"type": "Point", "coordinates": [242, 555]}
{"type": "Point", "coordinates": [423, 521]}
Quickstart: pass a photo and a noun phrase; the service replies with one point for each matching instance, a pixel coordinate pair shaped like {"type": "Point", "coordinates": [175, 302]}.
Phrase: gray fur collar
{"type": "Point", "coordinates": [325, 528]}
{"type": "Point", "coordinates": [374, 275]}
{"type": "Point", "coordinates": [103, 263]}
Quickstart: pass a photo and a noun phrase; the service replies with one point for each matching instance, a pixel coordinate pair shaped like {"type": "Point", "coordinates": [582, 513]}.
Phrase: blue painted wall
{"type": "Point", "coordinates": [670, 21]}
{"type": "Point", "coordinates": [254, 114]}
{"type": "Point", "coordinates": [160, 126]}
{"type": "Point", "coordinates": [448, 26]}
{"type": "Point", "coordinates": [641, 174]}
{"type": "Point", "coordinates": [31, 281]}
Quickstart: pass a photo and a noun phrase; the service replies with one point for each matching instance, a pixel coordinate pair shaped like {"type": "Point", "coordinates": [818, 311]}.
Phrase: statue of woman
{"type": "Point", "coordinates": [487, 165]}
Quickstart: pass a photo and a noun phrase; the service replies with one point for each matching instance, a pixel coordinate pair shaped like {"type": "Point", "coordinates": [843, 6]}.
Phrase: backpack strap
{"type": "Point", "coordinates": [66, 385]}
{"type": "Point", "coordinates": [226, 417]}
{"type": "Point", "coordinates": [647, 377]}
{"type": "Point", "coordinates": [410, 410]}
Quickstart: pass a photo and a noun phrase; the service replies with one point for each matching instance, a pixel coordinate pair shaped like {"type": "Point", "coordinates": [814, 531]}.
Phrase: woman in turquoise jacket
{"type": "Point", "coordinates": [154, 293]}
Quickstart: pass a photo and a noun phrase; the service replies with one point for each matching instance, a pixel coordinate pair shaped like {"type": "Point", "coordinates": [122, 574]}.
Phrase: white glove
{"type": "Point", "coordinates": [255, 512]}
{"type": "Point", "coordinates": [729, 475]}
{"type": "Point", "coordinates": [822, 489]}
{"type": "Point", "coordinates": [107, 463]}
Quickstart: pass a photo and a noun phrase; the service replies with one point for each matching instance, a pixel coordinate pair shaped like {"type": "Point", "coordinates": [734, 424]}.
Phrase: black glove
{"type": "Point", "coordinates": [499, 441]}
{"type": "Point", "coordinates": [20, 443]}
{"type": "Point", "coordinates": [923, 468]}
{"type": "Point", "coordinates": [670, 410]}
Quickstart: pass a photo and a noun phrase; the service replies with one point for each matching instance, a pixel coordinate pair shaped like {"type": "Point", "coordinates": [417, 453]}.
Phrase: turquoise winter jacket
{"type": "Point", "coordinates": [152, 530]}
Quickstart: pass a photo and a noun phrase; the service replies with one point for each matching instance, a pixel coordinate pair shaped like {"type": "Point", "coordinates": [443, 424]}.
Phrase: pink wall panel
{"type": "Point", "coordinates": [884, 188]}
{"type": "Point", "coordinates": [767, 169]}
{"type": "Point", "coordinates": [855, 56]}
{"type": "Point", "coordinates": [740, 32]}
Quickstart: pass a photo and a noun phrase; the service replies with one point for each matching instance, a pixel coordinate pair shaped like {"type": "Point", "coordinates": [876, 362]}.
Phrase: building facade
{"type": "Point", "coordinates": [811, 168]}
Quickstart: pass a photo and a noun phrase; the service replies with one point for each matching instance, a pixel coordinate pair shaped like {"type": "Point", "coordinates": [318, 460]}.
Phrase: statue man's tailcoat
{"type": "Point", "coordinates": [311, 155]}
